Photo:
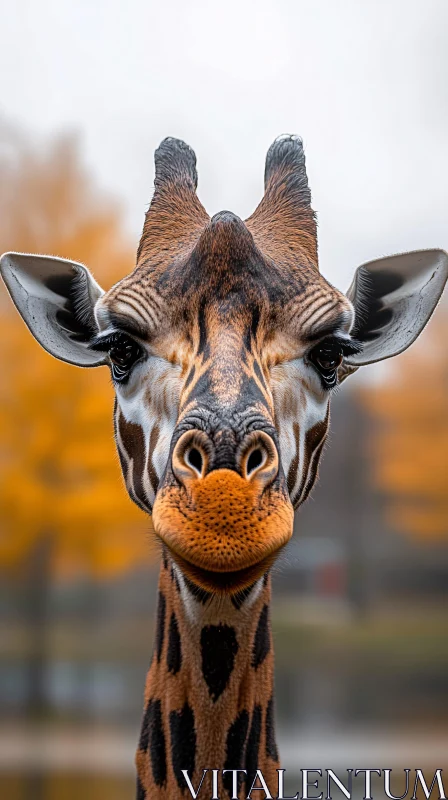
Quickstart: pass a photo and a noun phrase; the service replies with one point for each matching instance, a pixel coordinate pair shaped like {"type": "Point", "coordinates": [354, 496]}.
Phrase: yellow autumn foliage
{"type": "Point", "coordinates": [59, 471]}
{"type": "Point", "coordinates": [409, 441]}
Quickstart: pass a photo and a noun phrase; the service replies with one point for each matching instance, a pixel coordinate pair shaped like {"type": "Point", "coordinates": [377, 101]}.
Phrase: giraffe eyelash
{"type": "Point", "coordinates": [104, 343]}
{"type": "Point", "coordinates": [349, 347]}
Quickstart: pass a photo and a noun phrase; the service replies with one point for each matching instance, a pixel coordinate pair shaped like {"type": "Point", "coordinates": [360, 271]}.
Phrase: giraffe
{"type": "Point", "coordinates": [225, 344]}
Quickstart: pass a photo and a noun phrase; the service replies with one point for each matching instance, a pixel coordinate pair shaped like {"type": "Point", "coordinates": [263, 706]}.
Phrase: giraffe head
{"type": "Point", "coordinates": [225, 344]}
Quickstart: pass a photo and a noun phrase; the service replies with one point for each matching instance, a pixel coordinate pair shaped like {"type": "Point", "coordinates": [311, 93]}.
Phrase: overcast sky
{"type": "Point", "coordinates": [364, 83]}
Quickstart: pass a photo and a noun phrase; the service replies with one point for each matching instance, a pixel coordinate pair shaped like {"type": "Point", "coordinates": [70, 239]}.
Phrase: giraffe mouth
{"type": "Point", "coordinates": [224, 582]}
{"type": "Point", "coordinates": [223, 533]}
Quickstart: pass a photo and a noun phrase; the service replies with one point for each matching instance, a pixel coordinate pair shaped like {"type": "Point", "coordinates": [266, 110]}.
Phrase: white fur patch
{"type": "Point", "coordinates": [299, 400]}
{"type": "Point", "coordinates": [150, 398]}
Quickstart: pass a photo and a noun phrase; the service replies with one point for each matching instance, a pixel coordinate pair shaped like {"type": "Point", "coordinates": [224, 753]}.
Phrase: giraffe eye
{"type": "Point", "coordinates": [327, 357]}
{"type": "Point", "coordinates": [123, 353]}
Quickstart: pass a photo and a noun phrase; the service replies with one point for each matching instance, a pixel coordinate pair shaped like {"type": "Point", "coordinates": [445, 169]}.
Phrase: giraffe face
{"type": "Point", "coordinates": [224, 345]}
{"type": "Point", "coordinates": [222, 413]}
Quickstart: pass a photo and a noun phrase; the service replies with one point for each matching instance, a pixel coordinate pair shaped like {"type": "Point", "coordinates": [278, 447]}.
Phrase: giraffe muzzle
{"type": "Point", "coordinates": [224, 526]}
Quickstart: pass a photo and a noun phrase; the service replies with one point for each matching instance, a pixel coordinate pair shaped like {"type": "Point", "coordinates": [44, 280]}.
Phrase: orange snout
{"type": "Point", "coordinates": [223, 522]}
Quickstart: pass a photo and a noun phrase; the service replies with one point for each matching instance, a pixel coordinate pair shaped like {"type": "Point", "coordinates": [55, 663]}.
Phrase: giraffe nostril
{"type": "Point", "coordinates": [194, 458]}
{"type": "Point", "coordinates": [258, 458]}
{"type": "Point", "coordinates": [191, 457]}
{"type": "Point", "coordinates": [255, 460]}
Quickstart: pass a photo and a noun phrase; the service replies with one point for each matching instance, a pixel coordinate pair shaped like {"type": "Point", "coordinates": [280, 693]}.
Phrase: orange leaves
{"type": "Point", "coordinates": [59, 470]}
{"type": "Point", "coordinates": [409, 445]}
{"type": "Point", "coordinates": [427, 522]}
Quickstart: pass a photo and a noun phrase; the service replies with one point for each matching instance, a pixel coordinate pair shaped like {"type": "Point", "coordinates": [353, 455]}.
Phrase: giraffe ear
{"type": "Point", "coordinates": [393, 299]}
{"type": "Point", "coordinates": [55, 298]}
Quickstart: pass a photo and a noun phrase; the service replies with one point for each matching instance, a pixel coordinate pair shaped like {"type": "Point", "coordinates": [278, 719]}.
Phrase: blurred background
{"type": "Point", "coordinates": [360, 613]}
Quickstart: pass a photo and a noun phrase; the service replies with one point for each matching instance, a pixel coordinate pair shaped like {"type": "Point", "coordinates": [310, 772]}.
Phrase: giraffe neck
{"type": "Point", "coordinates": [209, 691]}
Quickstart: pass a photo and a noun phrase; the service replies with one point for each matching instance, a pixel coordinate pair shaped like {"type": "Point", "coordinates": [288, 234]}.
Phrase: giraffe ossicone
{"type": "Point", "coordinates": [224, 345]}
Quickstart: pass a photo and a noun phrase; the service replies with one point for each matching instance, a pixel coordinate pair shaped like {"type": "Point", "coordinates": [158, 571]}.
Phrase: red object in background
{"type": "Point", "coordinates": [331, 580]}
